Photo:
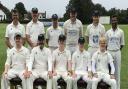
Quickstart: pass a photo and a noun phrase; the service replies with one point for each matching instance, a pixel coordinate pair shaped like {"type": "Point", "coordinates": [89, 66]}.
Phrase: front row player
{"type": "Point", "coordinates": [40, 65]}
{"type": "Point", "coordinates": [100, 61]}
{"type": "Point", "coordinates": [15, 65]}
{"type": "Point", "coordinates": [62, 63]}
{"type": "Point", "coordinates": [81, 65]}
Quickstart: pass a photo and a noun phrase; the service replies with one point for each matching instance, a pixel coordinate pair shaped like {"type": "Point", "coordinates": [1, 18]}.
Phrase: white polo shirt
{"type": "Point", "coordinates": [11, 29]}
{"type": "Point", "coordinates": [61, 59]}
{"type": "Point", "coordinates": [94, 33]}
{"type": "Point", "coordinates": [18, 59]}
{"type": "Point", "coordinates": [73, 31]}
{"type": "Point", "coordinates": [34, 29]}
{"type": "Point", "coordinates": [40, 59]}
{"type": "Point", "coordinates": [115, 39]}
{"type": "Point", "coordinates": [81, 61]}
{"type": "Point", "coordinates": [100, 62]}
{"type": "Point", "coordinates": [52, 35]}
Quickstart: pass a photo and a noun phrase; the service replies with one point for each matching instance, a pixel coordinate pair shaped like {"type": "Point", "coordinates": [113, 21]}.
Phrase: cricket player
{"type": "Point", "coordinates": [53, 32]}
{"type": "Point", "coordinates": [40, 64]}
{"type": "Point", "coordinates": [81, 65]}
{"type": "Point", "coordinates": [94, 32]}
{"type": "Point", "coordinates": [115, 42]}
{"type": "Point", "coordinates": [15, 65]}
{"type": "Point", "coordinates": [33, 29]}
{"type": "Point", "coordinates": [73, 29]}
{"type": "Point", "coordinates": [100, 66]}
{"type": "Point", "coordinates": [62, 63]}
{"type": "Point", "coordinates": [13, 28]}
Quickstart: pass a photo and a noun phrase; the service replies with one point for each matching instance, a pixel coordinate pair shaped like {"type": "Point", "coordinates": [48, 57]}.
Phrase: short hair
{"type": "Point", "coordinates": [113, 16]}
{"type": "Point", "coordinates": [14, 11]}
{"type": "Point", "coordinates": [102, 38]}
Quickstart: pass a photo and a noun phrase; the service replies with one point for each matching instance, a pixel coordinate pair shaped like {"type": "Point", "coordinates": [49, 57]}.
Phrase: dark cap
{"type": "Point", "coordinates": [34, 10]}
{"type": "Point", "coordinates": [14, 11]}
{"type": "Point", "coordinates": [73, 10]}
{"type": "Point", "coordinates": [62, 37]}
{"type": "Point", "coordinates": [81, 40]}
{"type": "Point", "coordinates": [41, 37]}
{"type": "Point", "coordinates": [54, 16]}
{"type": "Point", "coordinates": [18, 34]}
{"type": "Point", "coordinates": [96, 13]}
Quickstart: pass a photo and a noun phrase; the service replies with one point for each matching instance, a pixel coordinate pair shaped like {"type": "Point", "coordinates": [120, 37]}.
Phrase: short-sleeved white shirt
{"type": "Point", "coordinates": [40, 59]}
{"type": "Point", "coordinates": [61, 59]}
{"type": "Point", "coordinates": [18, 59]}
{"type": "Point", "coordinates": [12, 29]}
{"type": "Point", "coordinates": [81, 61]}
{"type": "Point", "coordinates": [34, 29]}
{"type": "Point", "coordinates": [115, 39]}
{"type": "Point", "coordinates": [73, 31]}
{"type": "Point", "coordinates": [94, 33]}
{"type": "Point", "coordinates": [52, 35]}
{"type": "Point", "coordinates": [101, 61]}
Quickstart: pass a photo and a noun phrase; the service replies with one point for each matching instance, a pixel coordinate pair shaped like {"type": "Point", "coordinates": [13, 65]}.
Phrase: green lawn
{"type": "Point", "coordinates": [124, 67]}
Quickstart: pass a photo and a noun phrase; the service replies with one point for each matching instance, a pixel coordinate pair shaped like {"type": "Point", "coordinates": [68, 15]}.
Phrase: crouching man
{"type": "Point", "coordinates": [61, 63]}
{"type": "Point", "coordinates": [15, 65]}
{"type": "Point", "coordinates": [81, 65]}
{"type": "Point", "coordinates": [100, 66]}
{"type": "Point", "coordinates": [40, 65]}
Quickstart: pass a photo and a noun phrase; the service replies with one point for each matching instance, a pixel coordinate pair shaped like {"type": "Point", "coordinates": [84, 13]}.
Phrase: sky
{"type": "Point", "coordinates": [58, 6]}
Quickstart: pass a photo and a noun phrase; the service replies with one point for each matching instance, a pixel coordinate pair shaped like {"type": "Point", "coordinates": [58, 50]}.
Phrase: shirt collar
{"type": "Point", "coordinates": [16, 25]}
{"type": "Point", "coordinates": [35, 23]}
{"type": "Point", "coordinates": [99, 52]}
{"type": "Point", "coordinates": [73, 22]}
{"type": "Point", "coordinates": [79, 52]}
{"type": "Point", "coordinates": [21, 49]}
{"type": "Point", "coordinates": [62, 51]}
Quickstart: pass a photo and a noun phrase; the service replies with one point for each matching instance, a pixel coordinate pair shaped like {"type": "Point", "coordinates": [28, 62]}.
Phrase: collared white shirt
{"type": "Point", "coordinates": [18, 59]}
{"type": "Point", "coordinates": [40, 59]}
{"type": "Point", "coordinates": [115, 39]}
{"type": "Point", "coordinates": [34, 29]}
{"type": "Point", "coordinates": [73, 31]}
{"type": "Point", "coordinates": [81, 61]}
{"type": "Point", "coordinates": [60, 59]}
{"type": "Point", "coordinates": [94, 33]}
{"type": "Point", "coordinates": [52, 35]}
{"type": "Point", "coordinates": [100, 62]}
{"type": "Point", "coordinates": [11, 29]}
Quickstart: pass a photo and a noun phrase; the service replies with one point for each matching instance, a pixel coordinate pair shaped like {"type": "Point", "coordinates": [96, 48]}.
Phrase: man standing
{"type": "Point", "coordinates": [33, 29]}
{"type": "Point", "coordinates": [94, 32]}
{"type": "Point", "coordinates": [81, 65]}
{"type": "Point", "coordinates": [115, 42]}
{"type": "Point", "coordinates": [13, 28]}
{"type": "Point", "coordinates": [73, 29]}
{"type": "Point", "coordinates": [15, 65]}
{"type": "Point", "coordinates": [62, 63]}
{"type": "Point", "coordinates": [40, 65]}
{"type": "Point", "coordinates": [53, 32]}
{"type": "Point", "coordinates": [100, 66]}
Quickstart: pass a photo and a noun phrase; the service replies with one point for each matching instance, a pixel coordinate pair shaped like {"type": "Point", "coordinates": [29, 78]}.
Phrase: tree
{"type": "Point", "coordinates": [21, 9]}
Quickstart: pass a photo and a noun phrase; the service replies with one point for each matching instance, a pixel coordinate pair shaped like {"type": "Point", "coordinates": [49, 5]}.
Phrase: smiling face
{"type": "Point", "coordinates": [73, 16]}
{"type": "Point", "coordinates": [95, 19]}
{"type": "Point", "coordinates": [18, 40]}
{"type": "Point", "coordinates": [114, 21]}
{"type": "Point", "coordinates": [15, 16]}
{"type": "Point", "coordinates": [102, 43]}
{"type": "Point", "coordinates": [35, 16]}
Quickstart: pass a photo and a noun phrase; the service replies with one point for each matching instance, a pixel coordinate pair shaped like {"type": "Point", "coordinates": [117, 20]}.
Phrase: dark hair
{"type": "Point", "coordinates": [14, 11]}
{"type": "Point", "coordinates": [113, 16]}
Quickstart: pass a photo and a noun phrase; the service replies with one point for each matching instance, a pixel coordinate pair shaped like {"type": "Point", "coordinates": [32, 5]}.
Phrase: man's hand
{"type": "Point", "coordinates": [90, 75]}
{"type": "Point", "coordinates": [5, 74]}
{"type": "Point", "coordinates": [112, 76]}
{"type": "Point", "coordinates": [95, 75]}
{"type": "Point", "coordinates": [74, 75]}
{"type": "Point", "coordinates": [50, 74]}
{"type": "Point", "coordinates": [54, 73]}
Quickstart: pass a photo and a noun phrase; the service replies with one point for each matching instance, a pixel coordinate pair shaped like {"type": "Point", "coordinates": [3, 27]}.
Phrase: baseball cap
{"type": "Point", "coordinates": [96, 13]}
{"type": "Point", "coordinates": [81, 40]}
{"type": "Point", "coordinates": [34, 10]}
{"type": "Point", "coordinates": [62, 37]}
{"type": "Point", "coordinates": [54, 16]}
{"type": "Point", "coordinates": [18, 34]}
{"type": "Point", "coordinates": [73, 10]}
{"type": "Point", "coordinates": [41, 37]}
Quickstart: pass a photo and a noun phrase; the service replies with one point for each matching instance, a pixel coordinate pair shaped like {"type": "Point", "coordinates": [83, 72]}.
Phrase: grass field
{"type": "Point", "coordinates": [124, 66]}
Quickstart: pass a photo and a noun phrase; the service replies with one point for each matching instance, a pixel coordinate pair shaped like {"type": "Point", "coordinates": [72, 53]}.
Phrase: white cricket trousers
{"type": "Point", "coordinates": [39, 74]}
{"type": "Point", "coordinates": [117, 63]}
{"type": "Point", "coordinates": [66, 78]}
{"type": "Point", "coordinates": [106, 78]}
{"type": "Point", "coordinates": [12, 73]}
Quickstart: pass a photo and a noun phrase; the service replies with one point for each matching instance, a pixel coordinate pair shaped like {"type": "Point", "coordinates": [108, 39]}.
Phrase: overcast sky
{"type": "Point", "coordinates": [58, 6]}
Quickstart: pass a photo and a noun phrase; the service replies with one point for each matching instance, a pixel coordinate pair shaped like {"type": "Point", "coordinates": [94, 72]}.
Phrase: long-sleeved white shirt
{"type": "Point", "coordinates": [100, 62]}
{"type": "Point", "coordinates": [81, 61]}
{"type": "Point", "coordinates": [18, 59]}
{"type": "Point", "coordinates": [40, 59]}
{"type": "Point", "coordinates": [61, 59]}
